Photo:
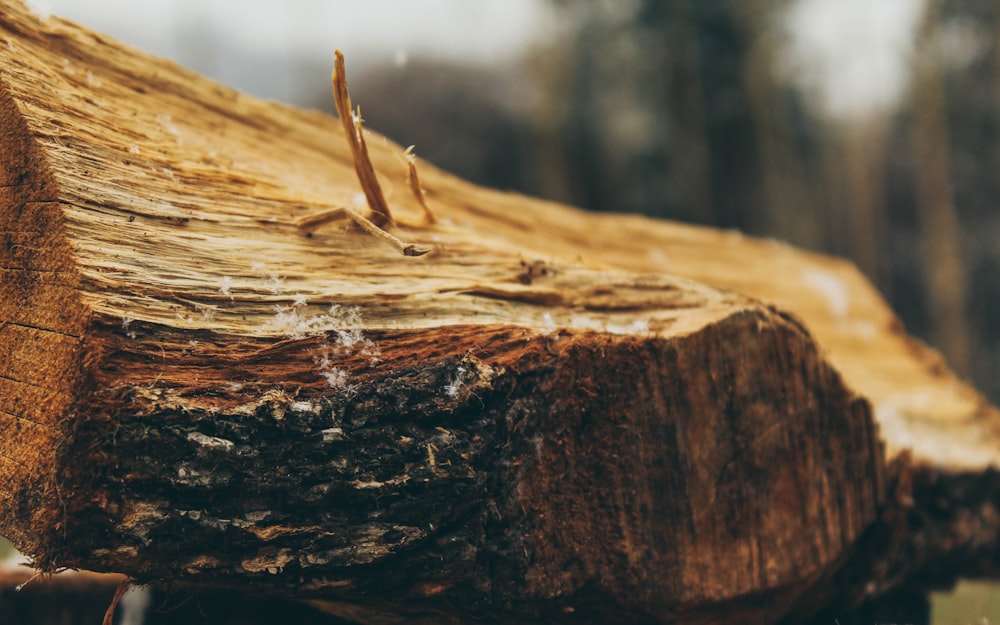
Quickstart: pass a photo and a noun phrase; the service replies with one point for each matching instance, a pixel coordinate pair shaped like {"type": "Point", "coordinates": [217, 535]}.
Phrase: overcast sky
{"type": "Point", "coordinates": [232, 34]}
{"type": "Point", "coordinates": [850, 55]}
{"type": "Point", "coordinates": [482, 30]}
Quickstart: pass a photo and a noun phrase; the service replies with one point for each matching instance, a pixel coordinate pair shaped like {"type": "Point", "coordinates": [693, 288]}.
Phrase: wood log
{"type": "Point", "coordinates": [551, 415]}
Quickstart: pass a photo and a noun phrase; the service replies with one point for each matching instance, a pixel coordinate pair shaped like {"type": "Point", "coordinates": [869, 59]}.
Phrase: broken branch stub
{"type": "Point", "coordinates": [354, 132]}
{"type": "Point", "coordinates": [381, 218]}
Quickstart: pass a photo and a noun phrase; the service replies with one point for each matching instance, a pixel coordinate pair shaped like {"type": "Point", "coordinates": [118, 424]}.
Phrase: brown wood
{"type": "Point", "coordinates": [551, 415]}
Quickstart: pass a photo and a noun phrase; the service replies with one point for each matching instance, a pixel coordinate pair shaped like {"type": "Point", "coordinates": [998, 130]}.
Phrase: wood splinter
{"type": "Point", "coordinates": [354, 132]}
{"type": "Point", "coordinates": [308, 224]}
{"type": "Point", "coordinates": [380, 217]}
{"type": "Point", "coordinates": [414, 179]}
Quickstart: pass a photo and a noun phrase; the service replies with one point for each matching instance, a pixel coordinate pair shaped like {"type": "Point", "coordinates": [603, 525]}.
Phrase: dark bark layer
{"type": "Point", "coordinates": [476, 467]}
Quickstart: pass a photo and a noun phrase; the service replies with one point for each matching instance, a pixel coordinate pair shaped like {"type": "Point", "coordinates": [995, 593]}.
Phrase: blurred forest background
{"type": "Point", "coordinates": [866, 129]}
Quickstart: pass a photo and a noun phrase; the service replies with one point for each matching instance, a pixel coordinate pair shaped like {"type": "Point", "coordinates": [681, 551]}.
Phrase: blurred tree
{"type": "Point", "coordinates": [661, 123]}
{"type": "Point", "coordinates": [943, 270]}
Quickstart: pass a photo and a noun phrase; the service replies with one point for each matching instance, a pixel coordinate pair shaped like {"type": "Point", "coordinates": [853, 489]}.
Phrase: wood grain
{"type": "Point", "coordinates": [552, 415]}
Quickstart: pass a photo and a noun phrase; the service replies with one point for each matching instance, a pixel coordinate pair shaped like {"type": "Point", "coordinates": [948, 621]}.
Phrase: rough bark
{"type": "Point", "coordinates": [544, 417]}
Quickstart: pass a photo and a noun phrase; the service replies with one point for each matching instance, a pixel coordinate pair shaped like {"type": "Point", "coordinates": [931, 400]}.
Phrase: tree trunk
{"type": "Point", "coordinates": [543, 417]}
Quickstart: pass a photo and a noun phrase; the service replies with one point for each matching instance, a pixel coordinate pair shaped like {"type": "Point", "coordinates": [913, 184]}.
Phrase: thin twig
{"type": "Point", "coordinates": [373, 229]}
{"type": "Point", "coordinates": [380, 217]}
{"type": "Point", "coordinates": [21, 586]}
{"type": "Point", "coordinates": [312, 222]}
{"type": "Point", "coordinates": [418, 191]}
{"type": "Point", "coordinates": [308, 225]}
{"type": "Point", "coordinates": [351, 121]}
{"type": "Point", "coordinates": [109, 616]}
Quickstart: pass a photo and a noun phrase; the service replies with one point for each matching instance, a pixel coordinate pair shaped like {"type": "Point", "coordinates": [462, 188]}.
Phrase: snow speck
{"type": "Point", "coordinates": [127, 326]}
{"type": "Point", "coordinates": [336, 377]}
{"type": "Point", "coordinates": [168, 124]}
{"type": "Point", "coordinates": [289, 321]}
{"type": "Point", "coordinates": [275, 283]}
{"type": "Point", "coordinates": [456, 382]}
{"type": "Point", "coordinates": [225, 286]}
{"type": "Point", "coordinates": [548, 324]}
{"type": "Point", "coordinates": [207, 312]}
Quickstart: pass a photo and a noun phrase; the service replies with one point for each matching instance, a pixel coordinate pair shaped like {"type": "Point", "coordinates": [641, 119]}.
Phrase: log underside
{"type": "Point", "coordinates": [537, 419]}
{"type": "Point", "coordinates": [84, 597]}
{"type": "Point", "coordinates": [494, 494]}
